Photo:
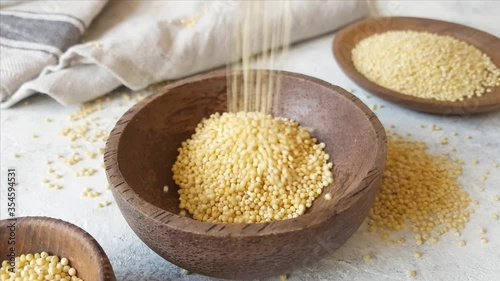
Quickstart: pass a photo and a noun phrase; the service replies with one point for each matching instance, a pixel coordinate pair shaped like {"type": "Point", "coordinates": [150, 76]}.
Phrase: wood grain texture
{"type": "Point", "coordinates": [143, 146]}
{"type": "Point", "coordinates": [347, 38]}
{"type": "Point", "coordinates": [57, 237]}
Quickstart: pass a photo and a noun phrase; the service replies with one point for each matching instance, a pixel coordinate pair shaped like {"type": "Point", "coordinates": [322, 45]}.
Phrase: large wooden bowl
{"type": "Point", "coordinates": [143, 147]}
{"type": "Point", "coordinates": [347, 38]}
{"type": "Point", "coordinates": [57, 237]}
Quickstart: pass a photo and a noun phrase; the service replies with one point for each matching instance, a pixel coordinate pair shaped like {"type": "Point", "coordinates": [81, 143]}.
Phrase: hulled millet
{"type": "Point", "coordinates": [39, 266]}
{"type": "Point", "coordinates": [425, 65]}
{"type": "Point", "coordinates": [249, 167]}
{"type": "Point", "coordinates": [418, 190]}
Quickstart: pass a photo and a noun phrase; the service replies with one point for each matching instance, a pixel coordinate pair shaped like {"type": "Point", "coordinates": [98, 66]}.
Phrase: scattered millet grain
{"type": "Point", "coordinates": [475, 161]}
{"type": "Point", "coordinates": [417, 255]}
{"type": "Point", "coordinates": [85, 172]}
{"type": "Point", "coordinates": [468, 137]}
{"type": "Point", "coordinates": [165, 189]}
{"type": "Point", "coordinates": [74, 159]}
{"type": "Point", "coordinates": [483, 230]}
{"type": "Point", "coordinates": [39, 266]}
{"type": "Point", "coordinates": [435, 128]}
{"type": "Point", "coordinates": [250, 167]}
{"type": "Point", "coordinates": [328, 196]}
{"type": "Point", "coordinates": [412, 273]}
{"type": "Point", "coordinates": [484, 240]}
{"type": "Point", "coordinates": [15, 155]}
{"type": "Point", "coordinates": [425, 65]}
{"type": "Point", "coordinates": [91, 154]}
{"type": "Point", "coordinates": [418, 190]}
{"type": "Point", "coordinates": [461, 243]}
{"type": "Point", "coordinates": [103, 204]}
{"type": "Point", "coordinates": [34, 136]}
{"type": "Point", "coordinates": [494, 216]}
{"type": "Point", "coordinates": [94, 194]}
{"type": "Point", "coordinates": [283, 277]}
{"type": "Point", "coordinates": [444, 141]}
{"type": "Point", "coordinates": [367, 257]}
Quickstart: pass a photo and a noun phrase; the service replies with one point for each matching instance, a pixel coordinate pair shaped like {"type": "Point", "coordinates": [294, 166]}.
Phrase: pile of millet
{"type": "Point", "coordinates": [38, 266]}
{"type": "Point", "coordinates": [249, 167]}
{"type": "Point", "coordinates": [419, 190]}
{"type": "Point", "coordinates": [425, 65]}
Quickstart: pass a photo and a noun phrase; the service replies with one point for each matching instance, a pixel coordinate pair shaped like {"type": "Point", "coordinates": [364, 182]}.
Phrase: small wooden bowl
{"type": "Point", "coordinates": [347, 38]}
{"type": "Point", "coordinates": [143, 146]}
{"type": "Point", "coordinates": [57, 237]}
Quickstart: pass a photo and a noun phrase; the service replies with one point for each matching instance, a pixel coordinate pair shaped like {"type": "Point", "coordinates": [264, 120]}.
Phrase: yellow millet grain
{"type": "Point", "coordinates": [248, 167]}
{"type": "Point", "coordinates": [419, 190]}
{"type": "Point", "coordinates": [425, 65]}
{"type": "Point", "coordinates": [39, 266]}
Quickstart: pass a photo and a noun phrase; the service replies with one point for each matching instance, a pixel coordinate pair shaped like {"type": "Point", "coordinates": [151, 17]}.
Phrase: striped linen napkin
{"type": "Point", "coordinates": [33, 37]}
{"type": "Point", "coordinates": [131, 43]}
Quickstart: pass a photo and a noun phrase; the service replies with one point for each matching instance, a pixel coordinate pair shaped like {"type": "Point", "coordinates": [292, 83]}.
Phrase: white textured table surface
{"type": "Point", "coordinates": [133, 261]}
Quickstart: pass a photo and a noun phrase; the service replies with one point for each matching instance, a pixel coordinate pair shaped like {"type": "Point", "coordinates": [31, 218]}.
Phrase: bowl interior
{"type": "Point", "coordinates": [56, 237]}
{"type": "Point", "coordinates": [148, 146]}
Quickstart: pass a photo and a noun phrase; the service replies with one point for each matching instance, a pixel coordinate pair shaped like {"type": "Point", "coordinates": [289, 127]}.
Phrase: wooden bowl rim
{"type": "Point", "coordinates": [185, 224]}
{"type": "Point", "coordinates": [467, 106]}
{"type": "Point", "coordinates": [104, 271]}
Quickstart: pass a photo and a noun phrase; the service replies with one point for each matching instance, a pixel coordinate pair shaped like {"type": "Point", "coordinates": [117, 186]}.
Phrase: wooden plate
{"type": "Point", "coordinates": [347, 38]}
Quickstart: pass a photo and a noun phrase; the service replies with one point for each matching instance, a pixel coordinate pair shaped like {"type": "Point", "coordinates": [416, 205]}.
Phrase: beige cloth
{"type": "Point", "coordinates": [138, 43]}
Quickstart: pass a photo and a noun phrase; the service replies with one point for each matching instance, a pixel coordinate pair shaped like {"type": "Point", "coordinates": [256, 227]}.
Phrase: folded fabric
{"type": "Point", "coordinates": [131, 43]}
{"type": "Point", "coordinates": [33, 36]}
